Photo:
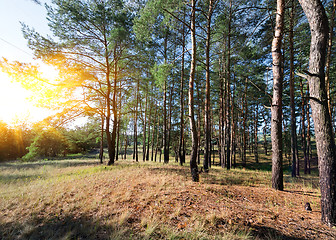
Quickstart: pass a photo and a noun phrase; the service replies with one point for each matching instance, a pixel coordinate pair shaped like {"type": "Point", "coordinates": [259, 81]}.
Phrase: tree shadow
{"type": "Point", "coordinates": [60, 163]}
{"type": "Point", "coordinates": [244, 178]}
{"type": "Point", "coordinates": [263, 232]}
{"type": "Point", "coordinates": [65, 227]}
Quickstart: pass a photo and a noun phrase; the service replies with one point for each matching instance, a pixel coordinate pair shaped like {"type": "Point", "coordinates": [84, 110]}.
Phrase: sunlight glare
{"type": "Point", "coordinates": [14, 103]}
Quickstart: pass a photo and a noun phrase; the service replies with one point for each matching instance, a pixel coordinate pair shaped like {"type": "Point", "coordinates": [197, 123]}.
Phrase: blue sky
{"type": "Point", "coordinates": [12, 44]}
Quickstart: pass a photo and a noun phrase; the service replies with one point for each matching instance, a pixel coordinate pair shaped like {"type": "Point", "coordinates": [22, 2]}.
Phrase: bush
{"type": "Point", "coordinates": [49, 143]}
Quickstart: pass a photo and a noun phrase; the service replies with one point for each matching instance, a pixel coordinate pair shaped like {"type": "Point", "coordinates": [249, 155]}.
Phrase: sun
{"type": "Point", "coordinates": [15, 103]}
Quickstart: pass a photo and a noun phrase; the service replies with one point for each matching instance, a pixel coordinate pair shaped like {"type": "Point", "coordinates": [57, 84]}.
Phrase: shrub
{"type": "Point", "coordinates": [49, 143]}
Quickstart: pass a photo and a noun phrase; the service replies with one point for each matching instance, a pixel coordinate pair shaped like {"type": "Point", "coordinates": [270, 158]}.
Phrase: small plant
{"type": "Point", "coordinates": [124, 217]}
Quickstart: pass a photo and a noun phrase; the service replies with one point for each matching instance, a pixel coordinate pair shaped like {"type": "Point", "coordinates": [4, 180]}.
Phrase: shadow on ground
{"type": "Point", "coordinates": [67, 227]}
{"type": "Point", "coordinates": [263, 232]}
{"type": "Point", "coordinates": [241, 178]}
{"type": "Point", "coordinates": [61, 163]}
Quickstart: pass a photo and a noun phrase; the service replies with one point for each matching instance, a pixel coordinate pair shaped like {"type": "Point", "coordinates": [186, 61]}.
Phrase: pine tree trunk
{"type": "Point", "coordinates": [276, 109]}
{"type": "Point", "coordinates": [308, 142]}
{"type": "Point", "coordinates": [207, 129]}
{"type": "Point", "coordinates": [198, 127]}
{"type": "Point", "coordinates": [244, 126]}
{"type": "Point", "coordinates": [228, 95]}
{"type": "Point", "coordinates": [181, 152]}
{"type": "Point", "coordinates": [221, 146]}
{"type": "Point", "coordinates": [119, 119]}
{"type": "Point", "coordinates": [171, 94]}
{"type": "Point", "coordinates": [194, 139]}
{"type": "Point", "coordinates": [330, 43]}
{"type": "Point", "coordinates": [144, 132]}
{"type": "Point", "coordinates": [233, 130]}
{"type": "Point", "coordinates": [165, 122]}
{"type": "Point", "coordinates": [135, 154]}
{"type": "Point", "coordinates": [303, 127]}
{"type": "Point", "coordinates": [325, 142]}
{"type": "Point", "coordinates": [256, 156]}
{"type": "Point", "coordinates": [149, 129]}
{"type": "Point", "coordinates": [126, 143]}
{"type": "Point", "coordinates": [153, 134]}
{"type": "Point", "coordinates": [265, 133]}
{"type": "Point", "coordinates": [291, 85]}
{"type": "Point", "coordinates": [101, 149]}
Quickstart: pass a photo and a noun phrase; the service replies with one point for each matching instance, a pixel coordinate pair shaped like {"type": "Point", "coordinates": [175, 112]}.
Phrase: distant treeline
{"type": "Point", "coordinates": [43, 141]}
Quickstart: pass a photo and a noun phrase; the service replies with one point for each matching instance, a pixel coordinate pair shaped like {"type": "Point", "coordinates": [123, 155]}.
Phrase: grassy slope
{"type": "Point", "coordinates": [79, 199]}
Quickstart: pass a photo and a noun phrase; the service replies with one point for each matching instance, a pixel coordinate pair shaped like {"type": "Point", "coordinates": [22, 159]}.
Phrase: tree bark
{"type": "Point", "coordinates": [165, 122]}
{"type": "Point", "coordinates": [228, 95]}
{"type": "Point", "coordinates": [135, 153]}
{"type": "Point", "coordinates": [244, 125]}
{"type": "Point", "coordinates": [233, 130]}
{"type": "Point", "coordinates": [181, 140]}
{"type": "Point", "coordinates": [198, 127]}
{"type": "Point", "coordinates": [265, 133]}
{"type": "Point", "coordinates": [325, 142]}
{"type": "Point", "coordinates": [221, 147]}
{"type": "Point", "coordinates": [308, 142]}
{"type": "Point", "coordinates": [153, 134]}
{"type": "Point", "coordinates": [112, 148]}
{"type": "Point", "coordinates": [303, 126]}
{"type": "Point", "coordinates": [256, 156]}
{"type": "Point", "coordinates": [101, 150]}
{"type": "Point", "coordinates": [276, 109]}
{"type": "Point", "coordinates": [194, 140]}
{"type": "Point", "coordinates": [149, 129]}
{"type": "Point", "coordinates": [330, 43]}
{"type": "Point", "coordinates": [126, 143]}
{"type": "Point", "coordinates": [144, 132]}
{"type": "Point", "coordinates": [207, 129]}
{"type": "Point", "coordinates": [295, 171]}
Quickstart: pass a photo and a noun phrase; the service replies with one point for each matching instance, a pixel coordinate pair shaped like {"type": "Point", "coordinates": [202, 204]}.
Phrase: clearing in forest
{"type": "Point", "coordinates": [80, 199]}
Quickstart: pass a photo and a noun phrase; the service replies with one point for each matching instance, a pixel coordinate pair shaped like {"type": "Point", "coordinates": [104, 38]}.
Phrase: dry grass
{"type": "Point", "coordinates": [79, 199]}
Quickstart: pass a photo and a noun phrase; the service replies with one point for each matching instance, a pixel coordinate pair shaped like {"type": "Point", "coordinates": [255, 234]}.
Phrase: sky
{"type": "Point", "coordinates": [12, 44]}
{"type": "Point", "coordinates": [14, 99]}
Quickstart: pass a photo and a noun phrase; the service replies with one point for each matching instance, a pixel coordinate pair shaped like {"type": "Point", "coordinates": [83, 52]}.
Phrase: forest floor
{"type": "Point", "coordinates": [80, 199]}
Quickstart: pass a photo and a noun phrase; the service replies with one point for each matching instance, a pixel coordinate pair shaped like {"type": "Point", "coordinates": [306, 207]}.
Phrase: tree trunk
{"type": "Point", "coordinates": [194, 140]}
{"type": "Point", "coordinates": [207, 129]}
{"type": "Point", "coordinates": [309, 155]}
{"type": "Point", "coordinates": [180, 151]}
{"type": "Point", "coordinates": [233, 131]}
{"type": "Point", "coordinates": [330, 42]}
{"type": "Point", "coordinates": [228, 95]}
{"type": "Point", "coordinates": [303, 126]}
{"type": "Point", "coordinates": [165, 122]}
{"type": "Point", "coordinates": [126, 143]}
{"type": "Point", "coordinates": [265, 133]}
{"type": "Point", "coordinates": [144, 132]}
{"type": "Point", "coordinates": [221, 146]}
{"type": "Point", "coordinates": [112, 148]}
{"type": "Point", "coordinates": [153, 134]}
{"type": "Point", "coordinates": [244, 125]}
{"type": "Point", "coordinates": [276, 122]}
{"type": "Point", "coordinates": [199, 104]}
{"type": "Point", "coordinates": [149, 129]}
{"type": "Point", "coordinates": [171, 94]}
{"type": "Point", "coordinates": [325, 142]}
{"type": "Point", "coordinates": [256, 156]}
{"type": "Point", "coordinates": [101, 150]}
{"type": "Point", "coordinates": [291, 85]}
{"type": "Point", "coordinates": [119, 119]}
{"type": "Point", "coordinates": [118, 139]}
{"type": "Point", "coordinates": [135, 154]}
